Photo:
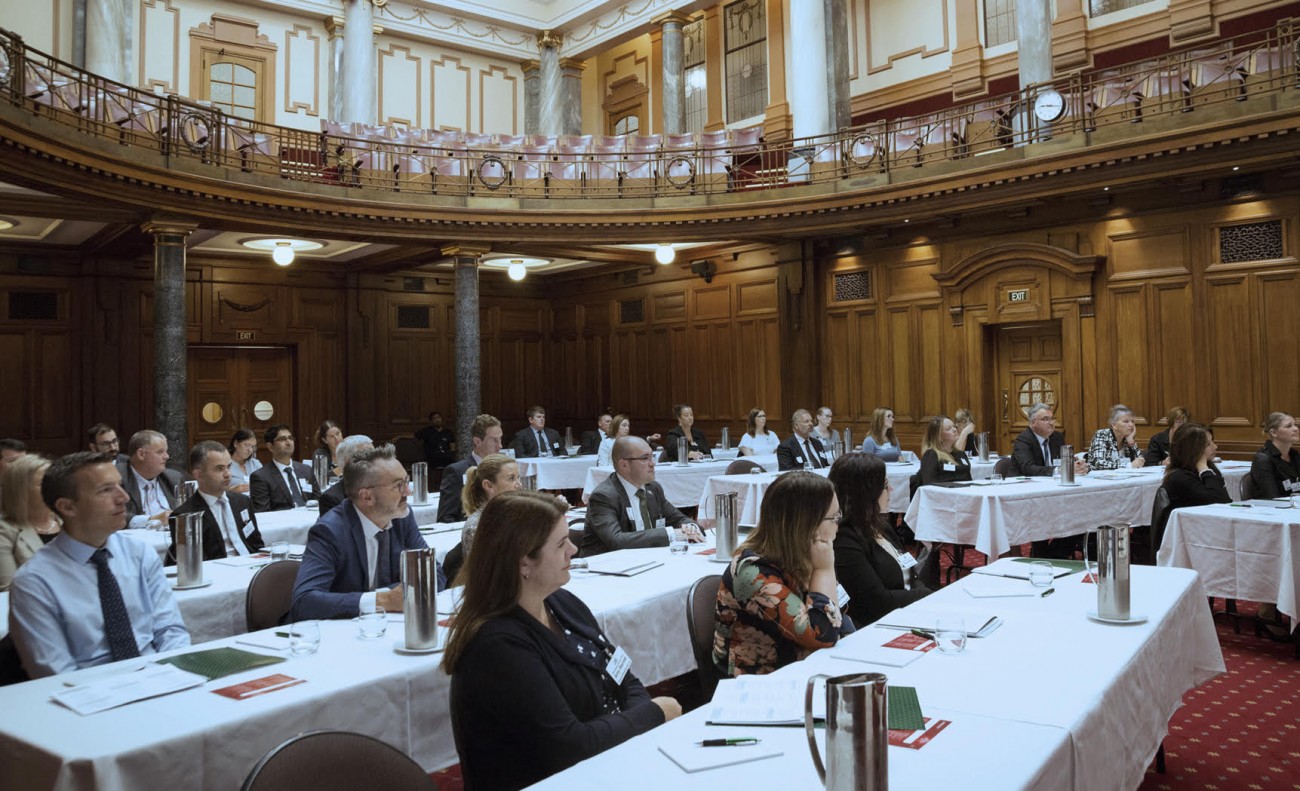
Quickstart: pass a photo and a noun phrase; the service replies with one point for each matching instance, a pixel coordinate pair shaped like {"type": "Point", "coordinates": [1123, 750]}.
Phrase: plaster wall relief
{"type": "Point", "coordinates": [400, 87]}
{"type": "Point", "coordinates": [303, 53]}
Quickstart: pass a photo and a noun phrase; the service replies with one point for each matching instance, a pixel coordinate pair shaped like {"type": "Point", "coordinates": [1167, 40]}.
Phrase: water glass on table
{"type": "Point", "coordinates": [950, 634]}
{"type": "Point", "coordinates": [996, 477]}
{"type": "Point", "coordinates": [279, 550]}
{"type": "Point", "coordinates": [304, 638]}
{"type": "Point", "coordinates": [1041, 573]}
{"type": "Point", "coordinates": [372, 625]}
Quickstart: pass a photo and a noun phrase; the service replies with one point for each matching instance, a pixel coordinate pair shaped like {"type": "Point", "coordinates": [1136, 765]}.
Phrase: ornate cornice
{"type": "Point", "coordinates": [549, 39]}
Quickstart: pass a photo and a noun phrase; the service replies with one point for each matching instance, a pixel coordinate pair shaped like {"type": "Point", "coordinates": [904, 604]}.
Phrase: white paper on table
{"type": "Point", "coordinates": [622, 567]}
{"type": "Point", "coordinates": [691, 757]}
{"type": "Point", "coordinates": [107, 693]}
{"type": "Point", "coordinates": [979, 623]}
{"type": "Point", "coordinates": [991, 587]}
{"type": "Point", "coordinates": [763, 700]}
{"type": "Point", "coordinates": [448, 600]}
{"type": "Point", "coordinates": [1009, 567]}
{"type": "Point", "coordinates": [244, 560]}
{"type": "Point", "coordinates": [879, 655]}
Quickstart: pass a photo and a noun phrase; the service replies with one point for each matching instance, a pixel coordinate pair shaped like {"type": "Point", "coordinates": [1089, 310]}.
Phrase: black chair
{"type": "Point", "coordinates": [1249, 491]}
{"type": "Point", "coordinates": [270, 594]}
{"type": "Point", "coordinates": [701, 618]}
{"type": "Point", "coordinates": [1150, 536]}
{"type": "Point", "coordinates": [741, 466]}
{"type": "Point", "coordinates": [335, 761]}
{"type": "Point", "coordinates": [11, 665]}
{"type": "Point", "coordinates": [452, 563]}
{"type": "Point", "coordinates": [1006, 467]}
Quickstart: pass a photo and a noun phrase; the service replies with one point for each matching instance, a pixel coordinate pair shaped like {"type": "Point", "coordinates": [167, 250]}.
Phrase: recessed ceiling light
{"type": "Point", "coordinates": [1235, 168]}
{"type": "Point", "coordinates": [6, 223]}
{"type": "Point", "coordinates": [269, 244]}
{"type": "Point", "coordinates": [1105, 189]}
{"type": "Point", "coordinates": [665, 254]}
{"type": "Point", "coordinates": [516, 266]}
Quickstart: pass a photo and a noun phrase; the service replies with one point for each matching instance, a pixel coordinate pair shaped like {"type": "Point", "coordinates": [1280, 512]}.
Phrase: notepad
{"type": "Point", "coordinates": [762, 700]}
{"type": "Point", "coordinates": [899, 651]}
{"type": "Point", "coordinates": [219, 662]}
{"type": "Point", "coordinates": [995, 587]}
{"type": "Point", "coordinates": [978, 623]}
{"type": "Point", "coordinates": [691, 757]}
{"type": "Point", "coordinates": [151, 681]}
{"type": "Point", "coordinates": [621, 567]}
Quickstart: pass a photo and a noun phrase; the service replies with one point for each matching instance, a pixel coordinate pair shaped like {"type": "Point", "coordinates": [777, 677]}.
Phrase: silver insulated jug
{"type": "Point", "coordinates": [982, 445]}
{"type": "Point", "coordinates": [420, 480]}
{"type": "Point", "coordinates": [1111, 571]}
{"type": "Point", "coordinates": [1067, 464]}
{"type": "Point", "coordinates": [188, 532]}
{"type": "Point", "coordinates": [857, 732]}
{"type": "Point", "coordinates": [725, 527]}
{"type": "Point", "coordinates": [420, 598]}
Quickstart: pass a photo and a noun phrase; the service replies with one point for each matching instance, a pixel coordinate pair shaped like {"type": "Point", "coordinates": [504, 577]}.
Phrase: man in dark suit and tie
{"type": "Point", "coordinates": [485, 437]}
{"type": "Point", "coordinates": [591, 439]}
{"type": "Point", "coordinates": [801, 448]}
{"type": "Point", "coordinates": [353, 558]}
{"type": "Point", "coordinates": [1035, 453]}
{"type": "Point", "coordinates": [153, 489]}
{"type": "Point", "coordinates": [537, 440]}
{"type": "Point", "coordinates": [102, 438]}
{"type": "Point", "coordinates": [284, 483]}
{"type": "Point", "coordinates": [623, 508]}
{"type": "Point", "coordinates": [349, 447]}
{"type": "Point", "coordinates": [229, 527]}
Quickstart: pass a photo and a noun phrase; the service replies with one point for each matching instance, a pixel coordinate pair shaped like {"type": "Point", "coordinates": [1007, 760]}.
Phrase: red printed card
{"type": "Point", "coordinates": [911, 642]}
{"type": "Point", "coordinates": [915, 740]}
{"type": "Point", "coordinates": [259, 686]}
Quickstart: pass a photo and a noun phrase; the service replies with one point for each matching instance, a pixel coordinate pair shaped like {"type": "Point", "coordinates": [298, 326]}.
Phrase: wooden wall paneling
{"type": "Point", "coordinates": [840, 377]}
{"type": "Point", "coordinates": [367, 359]}
{"type": "Point", "coordinates": [15, 418]}
{"type": "Point", "coordinates": [1175, 368]}
{"type": "Point", "coordinates": [900, 393]}
{"type": "Point", "coordinates": [869, 365]}
{"type": "Point", "coordinates": [55, 400]}
{"type": "Point", "coordinates": [1130, 342]}
{"type": "Point", "coordinates": [1277, 293]}
{"type": "Point", "coordinates": [1233, 389]}
{"type": "Point", "coordinates": [939, 386]}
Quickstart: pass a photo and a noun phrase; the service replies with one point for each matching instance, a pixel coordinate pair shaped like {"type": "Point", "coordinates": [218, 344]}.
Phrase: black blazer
{"type": "Point", "coordinates": [1157, 449]}
{"type": "Point", "coordinates": [590, 443]}
{"type": "Point", "coordinates": [790, 453]}
{"type": "Point", "coordinates": [1187, 488]}
{"type": "Point", "coordinates": [608, 526]}
{"type": "Point", "coordinates": [453, 480]}
{"type": "Point", "coordinates": [871, 577]}
{"type": "Point", "coordinates": [214, 543]}
{"type": "Point", "coordinates": [525, 443]}
{"type": "Point", "coordinates": [696, 443]}
{"type": "Point", "coordinates": [1272, 472]}
{"type": "Point", "coordinates": [525, 704]}
{"type": "Point", "coordinates": [169, 480]}
{"type": "Point", "coordinates": [332, 497]}
{"type": "Point", "coordinates": [269, 491]}
{"type": "Point", "coordinates": [1028, 452]}
{"type": "Point", "coordinates": [932, 469]}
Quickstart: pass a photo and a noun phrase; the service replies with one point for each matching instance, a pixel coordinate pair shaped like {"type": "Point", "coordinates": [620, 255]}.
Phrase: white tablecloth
{"type": "Point", "coordinates": [683, 486]}
{"type": "Point", "coordinates": [558, 473]}
{"type": "Point", "coordinates": [1012, 698]}
{"type": "Point", "coordinates": [996, 517]}
{"type": "Point", "coordinates": [1240, 553]}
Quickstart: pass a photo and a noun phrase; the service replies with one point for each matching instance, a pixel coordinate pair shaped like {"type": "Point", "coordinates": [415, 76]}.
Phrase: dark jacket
{"type": "Point", "coordinates": [453, 480]}
{"type": "Point", "coordinates": [214, 543]}
{"type": "Point", "coordinates": [331, 497]}
{"type": "Point", "coordinates": [1157, 449]}
{"type": "Point", "coordinates": [525, 443]}
{"type": "Point", "coordinates": [270, 491]}
{"type": "Point", "coordinates": [1187, 488]}
{"type": "Point", "coordinates": [790, 453]}
{"type": "Point", "coordinates": [168, 480]}
{"type": "Point", "coordinates": [697, 442]}
{"type": "Point", "coordinates": [590, 443]}
{"type": "Point", "coordinates": [608, 526]}
{"type": "Point", "coordinates": [525, 704]}
{"type": "Point", "coordinates": [932, 469]}
{"type": "Point", "coordinates": [871, 576]}
{"type": "Point", "coordinates": [1271, 472]}
{"type": "Point", "coordinates": [1028, 452]}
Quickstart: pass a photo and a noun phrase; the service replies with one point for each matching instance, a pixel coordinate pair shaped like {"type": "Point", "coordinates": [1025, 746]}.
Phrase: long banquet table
{"type": "Point", "coordinates": [682, 485]}
{"type": "Point", "coordinates": [1050, 700]}
{"type": "Point", "coordinates": [995, 517]}
{"type": "Point", "coordinates": [1241, 553]}
{"type": "Point", "coordinates": [568, 472]}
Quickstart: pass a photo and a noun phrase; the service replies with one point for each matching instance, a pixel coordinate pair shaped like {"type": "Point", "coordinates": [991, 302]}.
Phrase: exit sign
{"type": "Point", "coordinates": [244, 335]}
{"type": "Point", "coordinates": [1018, 296]}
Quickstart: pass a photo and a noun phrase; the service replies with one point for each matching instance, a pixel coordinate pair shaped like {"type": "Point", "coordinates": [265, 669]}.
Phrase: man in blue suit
{"type": "Point", "coordinates": [352, 562]}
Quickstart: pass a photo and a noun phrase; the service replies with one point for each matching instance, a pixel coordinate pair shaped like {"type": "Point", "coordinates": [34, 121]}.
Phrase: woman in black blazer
{"type": "Point", "coordinates": [531, 685]}
{"type": "Point", "coordinates": [868, 557]}
{"type": "Point", "coordinates": [941, 460]}
{"type": "Point", "coordinates": [1276, 468]}
{"type": "Point", "coordinates": [1191, 478]}
{"type": "Point", "coordinates": [697, 447]}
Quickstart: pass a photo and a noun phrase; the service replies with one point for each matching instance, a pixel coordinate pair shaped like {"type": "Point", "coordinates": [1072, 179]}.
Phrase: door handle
{"type": "Point", "coordinates": [1006, 407]}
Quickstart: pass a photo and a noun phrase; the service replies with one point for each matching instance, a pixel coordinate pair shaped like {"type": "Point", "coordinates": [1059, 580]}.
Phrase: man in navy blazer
{"type": "Point", "coordinates": [485, 439]}
{"type": "Point", "coordinates": [801, 448]}
{"type": "Point", "coordinates": [537, 440]}
{"type": "Point", "coordinates": [352, 562]}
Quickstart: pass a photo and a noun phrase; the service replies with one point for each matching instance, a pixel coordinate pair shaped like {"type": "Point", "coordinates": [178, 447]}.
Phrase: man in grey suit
{"type": "Point", "coordinates": [623, 508]}
{"type": "Point", "coordinates": [154, 490]}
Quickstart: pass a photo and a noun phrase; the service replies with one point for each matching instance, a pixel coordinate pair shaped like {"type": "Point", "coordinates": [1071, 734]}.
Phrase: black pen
{"type": "Point", "coordinates": [923, 633]}
{"type": "Point", "coordinates": [1047, 593]}
{"type": "Point", "coordinates": [1240, 505]}
{"type": "Point", "coordinates": [738, 742]}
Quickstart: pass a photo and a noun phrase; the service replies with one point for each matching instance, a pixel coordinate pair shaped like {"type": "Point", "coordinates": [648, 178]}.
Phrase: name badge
{"type": "Point", "coordinates": [1292, 486]}
{"type": "Point", "coordinates": [906, 561]}
{"type": "Point", "coordinates": [798, 460]}
{"type": "Point", "coordinates": [950, 468]}
{"type": "Point", "coordinates": [243, 515]}
{"type": "Point", "coordinates": [305, 484]}
{"type": "Point", "coordinates": [841, 596]}
{"type": "Point", "coordinates": [248, 529]}
{"type": "Point", "coordinates": [618, 665]}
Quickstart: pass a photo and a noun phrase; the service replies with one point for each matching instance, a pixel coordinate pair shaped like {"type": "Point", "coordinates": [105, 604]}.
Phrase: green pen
{"type": "Point", "coordinates": [1047, 592]}
{"type": "Point", "coordinates": [923, 633]}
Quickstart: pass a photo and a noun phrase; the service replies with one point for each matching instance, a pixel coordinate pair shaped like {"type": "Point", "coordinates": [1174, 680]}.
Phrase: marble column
{"type": "Point", "coordinates": [571, 109]}
{"type": "Point", "coordinates": [809, 69]}
{"type": "Point", "coordinates": [532, 96]}
{"type": "Point", "coordinates": [1034, 34]}
{"type": "Point", "coordinates": [79, 33]}
{"type": "Point", "coordinates": [550, 86]}
{"type": "Point", "coordinates": [110, 31]}
{"type": "Point", "coordinates": [169, 342]}
{"type": "Point", "coordinates": [359, 94]}
{"type": "Point", "coordinates": [468, 373]}
{"type": "Point", "coordinates": [334, 29]}
{"type": "Point", "coordinates": [837, 64]}
{"type": "Point", "coordinates": [674, 77]}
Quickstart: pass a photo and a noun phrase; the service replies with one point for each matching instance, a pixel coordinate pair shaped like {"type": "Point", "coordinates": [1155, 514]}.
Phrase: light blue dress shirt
{"type": "Point", "coordinates": [54, 612]}
{"type": "Point", "coordinates": [887, 452]}
{"type": "Point", "coordinates": [240, 476]}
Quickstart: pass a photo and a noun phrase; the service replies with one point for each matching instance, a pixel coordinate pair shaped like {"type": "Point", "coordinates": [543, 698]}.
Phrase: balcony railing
{"type": "Point", "coordinates": [422, 161]}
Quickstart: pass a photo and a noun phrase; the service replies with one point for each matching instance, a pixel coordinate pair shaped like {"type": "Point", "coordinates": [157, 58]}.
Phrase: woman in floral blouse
{"type": "Point", "coordinates": [777, 602]}
{"type": "Point", "coordinates": [1116, 446]}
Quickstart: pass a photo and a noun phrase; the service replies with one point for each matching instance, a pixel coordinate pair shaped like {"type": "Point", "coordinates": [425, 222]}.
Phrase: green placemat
{"type": "Point", "coordinates": [1072, 565]}
{"type": "Point", "coordinates": [904, 709]}
{"type": "Point", "coordinates": [219, 662]}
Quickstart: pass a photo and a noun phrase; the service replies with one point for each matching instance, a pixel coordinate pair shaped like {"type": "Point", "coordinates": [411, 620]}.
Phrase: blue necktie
{"type": "Point", "coordinates": [383, 564]}
{"type": "Point", "coordinates": [117, 624]}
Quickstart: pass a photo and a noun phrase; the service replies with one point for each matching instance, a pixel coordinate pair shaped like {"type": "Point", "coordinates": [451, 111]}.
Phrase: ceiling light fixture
{"type": "Point", "coordinates": [665, 254]}
{"type": "Point", "coordinates": [1235, 168]}
{"type": "Point", "coordinates": [517, 270]}
{"type": "Point", "coordinates": [1105, 189]}
{"type": "Point", "coordinates": [283, 253]}
{"type": "Point", "coordinates": [283, 250]}
{"type": "Point", "coordinates": [6, 224]}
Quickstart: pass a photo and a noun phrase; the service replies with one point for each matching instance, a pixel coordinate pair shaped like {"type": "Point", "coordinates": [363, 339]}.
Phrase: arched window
{"type": "Point", "coordinates": [233, 88]}
{"type": "Point", "coordinates": [627, 125]}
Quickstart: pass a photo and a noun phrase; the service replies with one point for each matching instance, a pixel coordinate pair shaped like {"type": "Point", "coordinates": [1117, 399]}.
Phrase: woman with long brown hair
{"type": "Point", "coordinates": [881, 440]}
{"type": "Point", "coordinates": [536, 686]}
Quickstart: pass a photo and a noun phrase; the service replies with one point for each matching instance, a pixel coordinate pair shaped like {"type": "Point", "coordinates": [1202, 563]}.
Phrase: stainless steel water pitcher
{"type": "Point", "coordinates": [848, 441]}
{"type": "Point", "coordinates": [420, 598]}
{"type": "Point", "coordinates": [188, 532]}
{"type": "Point", "coordinates": [726, 439]}
{"type": "Point", "coordinates": [982, 445]}
{"type": "Point", "coordinates": [681, 452]}
{"type": "Point", "coordinates": [320, 471]}
{"type": "Point", "coordinates": [420, 481]}
{"type": "Point", "coordinates": [568, 438]}
{"type": "Point", "coordinates": [725, 526]}
{"type": "Point", "coordinates": [1067, 464]}
{"type": "Point", "coordinates": [857, 732]}
{"type": "Point", "coordinates": [1111, 572]}
{"type": "Point", "coordinates": [188, 490]}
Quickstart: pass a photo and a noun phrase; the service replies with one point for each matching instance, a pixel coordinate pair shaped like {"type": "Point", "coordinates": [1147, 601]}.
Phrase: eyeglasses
{"type": "Point", "coordinates": [284, 438]}
{"type": "Point", "coordinates": [647, 458]}
{"type": "Point", "coordinates": [837, 519]}
{"type": "Point", "coordinates": [111, 443]}
{"type": "Point", "coordinates": [399, 485]}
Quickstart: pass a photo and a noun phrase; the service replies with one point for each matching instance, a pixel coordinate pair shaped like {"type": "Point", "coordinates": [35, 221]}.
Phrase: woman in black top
{"type": "Point", "coordinates": [531, 685]}
{"type": "Point", "coordinates": [1276, 469]}
{"type": "Point", "coordinates": [1191, 478]}
{"type": "Point", "coordinates": [868, 557]}
{"type": "Point", "coordinates": [697, 447]}
{"type": "Point", "coordinates": [941, 460]}
{"type": "Point", "coordinates": [1158, 447]}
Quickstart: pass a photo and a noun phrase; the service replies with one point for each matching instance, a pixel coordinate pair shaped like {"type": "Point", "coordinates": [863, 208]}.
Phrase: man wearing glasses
{"type": "Point", "coordinates": [353, 560]}
{"type": "Point", "coordinates": [628, 509]}
{"type": "Point", "coordinates": [284, 483]}
{"type": "Point", "coordinates": [102, 438]}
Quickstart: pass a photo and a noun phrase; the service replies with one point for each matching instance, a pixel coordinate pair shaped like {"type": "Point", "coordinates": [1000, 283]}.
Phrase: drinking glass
{"type": "Point", "coordinates": [950, 634]}
{"type": "Point", "coordinates": [304, 638]}
{"type": "Point", "coordinates": [1041, 574]}
{"type": "Point", "coordinates": [678, 544]}
{"type": "Point", "coordinates": [372, 625]}
{"type": "Point", "coordinates": [996, 477]}
{"type": "Point", "coordinates": [279, 550]}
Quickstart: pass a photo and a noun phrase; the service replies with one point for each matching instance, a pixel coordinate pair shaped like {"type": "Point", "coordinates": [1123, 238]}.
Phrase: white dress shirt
{"type": "Point", "coordinates": [371, 532]}
{"type": "Point", "coordinates": [764, 444]}
{"type": "Point", "coordinates": [225, 516]}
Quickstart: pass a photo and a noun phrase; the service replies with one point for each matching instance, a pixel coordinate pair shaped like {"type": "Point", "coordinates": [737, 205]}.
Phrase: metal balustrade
{"type": "Point", "coordinates": [433, 162]}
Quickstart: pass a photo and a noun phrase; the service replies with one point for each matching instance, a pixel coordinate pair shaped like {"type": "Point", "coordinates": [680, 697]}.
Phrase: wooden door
{"type": "Point", "coordinates": [234, 387]}
{"type": "Point", "coordinates": [1029, 367]}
